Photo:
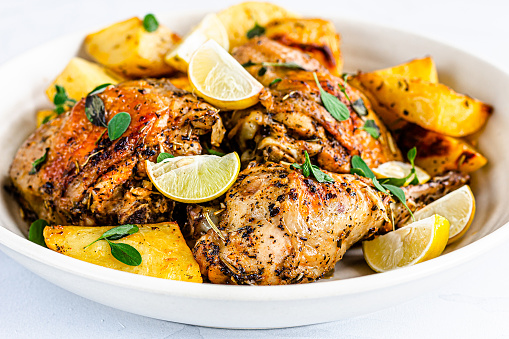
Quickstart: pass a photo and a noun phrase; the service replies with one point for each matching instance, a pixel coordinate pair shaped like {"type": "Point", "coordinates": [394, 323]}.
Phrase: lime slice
{"type": "Point", "coordinates": [194, 179]}
{"type": "Point", "coordinates": [420, 241]}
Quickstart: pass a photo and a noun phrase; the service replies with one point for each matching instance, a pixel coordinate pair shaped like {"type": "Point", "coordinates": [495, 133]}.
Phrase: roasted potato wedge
{"type": "Point", "coordinates": [433, 106]}
{"type": "Point", "coordinates": [127, 48]}
{"type": "Point", "coordinates": [239, 19]}
{"type": "Point", "coordinates": [316, 37]}
{"type": "Point", "coordinates": [45, 115]}
{"type": "Point", "coordinates": [182, 82]}
{"type": "Point", "coordinates": [79, 77]}
{"type": "Point", "coordinates": [423, 69]}
{"type": "Point", "coordinates": [163, 249]}
{"type": "Point", "coordinates": [438, 153]}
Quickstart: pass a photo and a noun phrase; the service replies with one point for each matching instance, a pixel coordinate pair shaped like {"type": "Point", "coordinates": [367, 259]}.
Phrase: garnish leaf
{"type": "Point", "coordinates": [262, 71]}
{"type": "Point", "coordinates": [249, 63]}
{"type": "Point", "coordinates": [411, 155]}
{"type": "Point", "coordinates": [284, 64]}
{"type": "Point", "coordinates": [150, 23]}
{"type": "Point", "coordinates": [214, 152]}
{"type": "Point", "coordinates": [62, 100]}
{"type": "Point", "coordinates": [308, 169]}
{"type": "Point", "coordinates": [95, 111]}
{"type": "Point", "coordinates": [35, 232]}
{"type": "Point", "coordinates": [275, 81]}
{"type": "Point", "coordinates": [119, 232]}
{"type": "Point", "coordinates": [333, 105]}
{"type": "Point", "coordinates": [125, 253]}
{"type": "Point", "coordinates": [99, 89]}
{"type": "Point", "coordinates": [359, 107]}
{"type": "Point", "coordinates": [118, 125]}
{"type": "Point", "coordinates": [398, 193]}
{"type": "Point", "coordinates": [162, 156]}
{"type": "Point", "coordinates": [371, 127]}
{"type": "Point", "coordinates": [36, 165]}
{"type": "Point", "coordinates": [357, 162]}
{"type": "Point", "coordinates": [257, 30]}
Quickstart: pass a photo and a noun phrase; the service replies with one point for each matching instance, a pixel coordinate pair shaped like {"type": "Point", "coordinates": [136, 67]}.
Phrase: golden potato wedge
{"type": "Point", "coordinates": [424, 69]}
{"type": "Point", "coordinates": [127, 48]}
{"type": "Point", "coordinates": [239, 19]}
{"type": "Point", "coordinates": [438, 153]}
{"type": "Point", "coordinates": [163, 249]}
{"type": "Point", "coordinates": [316, 37]}
{"type": "Point", "coordinates": [79, 77]}
{"type": "Point", "coordinates": [433, 106]}
{"type": "Point", "coordinates": [44, 115]}
{"type": "Point", "coordinates": [182, 82]}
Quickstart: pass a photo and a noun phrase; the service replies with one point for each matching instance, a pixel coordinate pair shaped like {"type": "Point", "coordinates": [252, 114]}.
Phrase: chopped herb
{"type": "Point", "coordinates": [46, 119]}
{"type": "Point", "coordinates": [284, 64]}
{"type": "Point", "coordinates": [308, 169]}
{"type": "Point", "coordinates": [99, 89]}
{"type": "Point", "coordinates": [95, 111]}
{"type": "Point", "coordinates": [118, 125]}
{"type": "Point", "coordinates": [342, 88]}
{"type": "Point", "coordinates": [359, 107]}
{"type": "Point", "coordinates": [162, 156]}
{"type": "Point", "coordinates": [275, 81]}
{"type": "Point", "coordinates": [262, 71]}
{"type": "Point", "coordinates": [61, 100]}
{"type": "Point", "coordinates": [257, 30]}
{"type": "Point", "coordinates": [36, 165]}
{"type": "Point", "coordinates": [333, 105]}
{"type": "Point", "coordinates": [122, 252]}
{"type": "Point", "coordinates": [371, 127]}
{"type": "Point", "coordinates": [150, 23]}
{"type": "Point", "coordinates": [214, 152]}
{"type": "Point", "coordinates": [35, 232]}
{"type": "Point", "coordinates": [249, 63]}
{"type": "Point", "coordinates": [398, 193]}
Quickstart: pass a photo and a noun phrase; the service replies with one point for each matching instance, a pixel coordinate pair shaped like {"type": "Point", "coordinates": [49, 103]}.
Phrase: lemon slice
{"type": "Point", "coordinates": [220, 79]}
{"type": "Point", "coordinates": [194, 179]}
{"type": "Point", "coordinates": [420, 241]}
{"type": "Point", "coordinates": [209, 28]}
{"type": "Point", "coordinates": [399, 169]}
{"type": "Point", "coordinates": [458, 207]}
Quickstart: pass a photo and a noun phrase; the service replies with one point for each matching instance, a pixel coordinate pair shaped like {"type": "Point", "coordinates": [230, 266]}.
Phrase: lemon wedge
{"type": "Point", "coordinates": [420, 241]}
{"type": "Point", "coordinates": [209, 28]}
{"type": "Point", "coordinates": [458, 207]}
{"type": "Point", "coordinates": [399, 169]}
{"type": "Point", "coordinates": [217, 77]}
{"type": "Point", "coordinates": [194, 179]}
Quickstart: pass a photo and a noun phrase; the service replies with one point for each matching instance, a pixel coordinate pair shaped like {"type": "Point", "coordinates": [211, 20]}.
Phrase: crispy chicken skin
{"type": "Point", "coordinates": [283, 228]}
{"type": "Point", "coordinates": [88, 179]}
{"type": "Point", "coordinates": [291, 118]}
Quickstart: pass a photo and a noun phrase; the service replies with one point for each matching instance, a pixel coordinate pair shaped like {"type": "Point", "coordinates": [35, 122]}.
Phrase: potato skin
{"type": "Point", "coordinates": [317, 37]}
{"type": "Point", "coordinates": [164, 251]}
{"type": "Point", "coordinates": [127, 48]}
{"type": "Point", "coordinates": [438, 153]}
{"type": "Point", "coordinates": [433, 106]}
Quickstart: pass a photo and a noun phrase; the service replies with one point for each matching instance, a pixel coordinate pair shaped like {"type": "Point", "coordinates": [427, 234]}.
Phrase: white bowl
{"type": "Point", "coordinates": [354, 289]}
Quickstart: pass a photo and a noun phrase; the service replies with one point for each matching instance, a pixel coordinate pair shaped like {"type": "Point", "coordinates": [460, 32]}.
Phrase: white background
{"type": "Point", "coordinates": [474, 305]}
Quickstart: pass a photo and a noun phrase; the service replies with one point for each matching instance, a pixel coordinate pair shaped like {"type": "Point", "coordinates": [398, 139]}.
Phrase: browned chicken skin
{"type": "Point", "coordinates": [90, 180]}
{"type": "Point", "coordinates": [291, 118]}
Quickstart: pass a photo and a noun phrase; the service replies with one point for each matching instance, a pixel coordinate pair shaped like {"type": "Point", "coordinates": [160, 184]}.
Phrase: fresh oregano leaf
{"type": "Point", "coordinates": [95, 111]}
{"type": "Point", "coordinates": [319, 175]}
{"type": "Point", "coordinates": [333, 105]}
{"type": "Point", "coordinates": [150, 23]}
{"type": "Point", "coordinates": [35, 232]}
{"type": "Point", "coordinates": [275, 81]}
{"type": "Point", "coordinates": [293, 65]}
{"type": "Point", "coordinates": [357, 162]}
{"type": "Point", "coordinates": [371, 127]}
{"type": "Point", "coordinates": [249, 63]}
{"type": "Point", "coordinates": [36, 165]}
{"type": "Point", "coordinates": [125, 253]}
{"type": "Point", "coordinates": [214, 152]}
{"type": "Point", "coordinates": [62, 100]}
{"type": "Point", "coordinates": [262, 71]}
{"type": "Point", "coordinates": [118, 125]}
{"type": "Point", "coordinates": [359, 107]}
{"type": "Point", "coordinates": [308, 169]}
{"type": "Point", "coordinates": [411, 154]}
{"type": "Point", "coordinates": [400, 194]}
{"type": "Point", "coordinates": [116, 233]}
{"type": "Point", "coordinates": [162, 156]}
{"type": "Point", "coordinates": [99, 89]}
{"type": "Point", "coordinates": [257, 30]}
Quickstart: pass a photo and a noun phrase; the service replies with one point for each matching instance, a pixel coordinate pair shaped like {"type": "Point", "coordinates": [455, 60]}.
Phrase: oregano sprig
{"type": "Point", "coordinates": [36, 165]}
{"type": "Point", "coordinates": [96, 114]}
{"type": "Point", "coordinates": [150, 23]}
{"type": "Point", "coordinates": [372, 128]}
{"type": "Point", "coordinates": [332, 104]}
{"type": "Point", "coordinates": [61, 100]}
{"type": "Point", "coordinates": [309, 169]}
{"type": "Point", "coordinates": [257, 30]}
{"type": "Point", "coordinates": [35, 232]}
{"type": "Point", "coordinates": [162, 156]}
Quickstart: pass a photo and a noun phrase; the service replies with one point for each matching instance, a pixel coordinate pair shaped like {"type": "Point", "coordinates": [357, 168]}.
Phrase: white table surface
{"type": "Point", "coordinates": [473, 305]}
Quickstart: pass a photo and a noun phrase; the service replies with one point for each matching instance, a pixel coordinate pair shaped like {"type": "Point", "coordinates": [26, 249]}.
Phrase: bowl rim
{"type": "Point", "coordinates": [336, 288]}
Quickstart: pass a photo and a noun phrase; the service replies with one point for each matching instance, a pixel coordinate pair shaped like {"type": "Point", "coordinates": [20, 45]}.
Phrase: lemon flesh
{"type": "Point", "coordinates": [194, 179]}
{"type": "Point", "coordinates": [420, 241]}
{"type": "Point", "coordinates": [399, 169]}
{"type": "Point", "coordinates": [209, 28]}
{"type": "Point", "coordinates": [458, 207]}
{"type": "Point", "coordinates": [217, 77]}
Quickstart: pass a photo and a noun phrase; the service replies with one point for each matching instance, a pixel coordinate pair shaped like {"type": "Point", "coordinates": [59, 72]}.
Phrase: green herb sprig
{"type": "Point", "coordinates": [358, 105]}
{"type": "Point", "coordinates": [150, 23]}
{"type": "Point", "coordinates": [162, 156]}
{"type": "Point", "coordinates": [61, 100]}
{"type": "Point", "coordinates": [275, 81]}
{"type": "Point", "coordinates": [372, 128]}
{"type": "Point", "coordinates": [35, 232]}
{"type": "Point", "coordinates": [96, 114]}
{"type": "Point", "coordinates": [292, 65]}
{"type": "Point", "coordinates": [118, 125]}
{"type": "Point", "coordinates": [99, 89]}
{"type": "Point", "coordinates": [332, 104]}
{"type": "Point", "coordinates": [310, 169]}
{"type": "Point", "coordinates": [214, 152]}
{"type": "Point", "coordinates": [122, 252]}
{"type": "Point", "coordinates": [36, 165]}
{"type": "Point", "coordinates": [257, 30]}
